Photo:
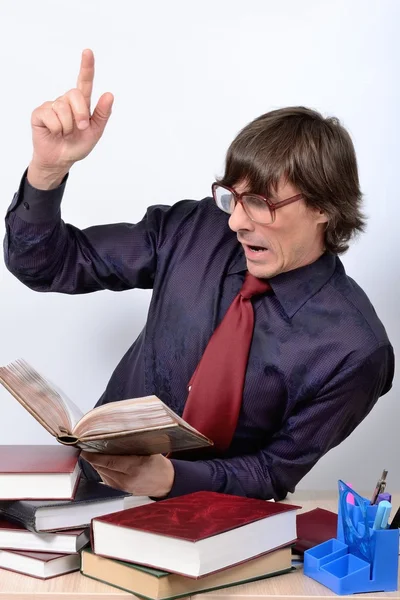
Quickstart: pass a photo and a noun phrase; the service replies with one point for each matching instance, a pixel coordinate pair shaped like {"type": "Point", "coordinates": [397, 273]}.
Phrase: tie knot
{"type": "Point", "coordinates": [253, 286]}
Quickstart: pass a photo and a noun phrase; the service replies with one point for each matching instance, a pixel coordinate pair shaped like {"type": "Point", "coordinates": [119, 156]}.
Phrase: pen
{"type": "Point", "coordinates": [383, 485]}
{"type": "Point", "coordinates": [380, 487]}
{"type": "Point", "coordinates": [382, 515]}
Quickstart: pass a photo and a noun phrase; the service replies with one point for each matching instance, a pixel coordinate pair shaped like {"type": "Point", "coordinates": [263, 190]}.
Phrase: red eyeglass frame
{"type": "Point", "coordinates": [273, 206]}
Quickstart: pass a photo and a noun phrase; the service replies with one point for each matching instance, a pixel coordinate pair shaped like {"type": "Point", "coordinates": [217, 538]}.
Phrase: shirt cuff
{"type": "Point", "coordinates": [37, 206]}
{"type": "Point", "coordinates": [190, 477]}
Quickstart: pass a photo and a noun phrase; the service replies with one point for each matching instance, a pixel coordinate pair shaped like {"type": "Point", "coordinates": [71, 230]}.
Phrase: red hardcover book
{"type": "Point", "coordinates": [38, 472]}
{"type": "Point", "coordinates": [42, 565]}
{"type": "Point", "coordinates": [196, 534]}
{"type": "Point", "coordinates": [14, 536]}
{"type": "Point", "coordinates": [314, 527]}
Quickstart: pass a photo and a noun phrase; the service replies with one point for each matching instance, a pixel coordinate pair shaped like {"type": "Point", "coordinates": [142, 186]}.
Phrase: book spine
{"type": "Point", "coordinates": [67, 440]}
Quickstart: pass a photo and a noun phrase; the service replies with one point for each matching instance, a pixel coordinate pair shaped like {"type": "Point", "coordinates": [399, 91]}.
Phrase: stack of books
{"type": "Point", "coordinates": [46, 508]}
{"type": "Point", "coordinates": [195, 543]}
{"type": "Point", "coordinates": [158, 550]}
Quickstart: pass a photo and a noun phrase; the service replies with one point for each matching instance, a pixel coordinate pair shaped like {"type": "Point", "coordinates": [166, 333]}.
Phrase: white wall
{"type": "Point", "coordinates": [186, 77]}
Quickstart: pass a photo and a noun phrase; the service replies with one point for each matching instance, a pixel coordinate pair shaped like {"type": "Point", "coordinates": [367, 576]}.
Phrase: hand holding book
{"type": "Point", "coordinates": [139, 475]}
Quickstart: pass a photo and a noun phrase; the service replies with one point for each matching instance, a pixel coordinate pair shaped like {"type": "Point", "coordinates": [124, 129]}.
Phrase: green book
{"type": "Point", "coordinates": [154, 584]}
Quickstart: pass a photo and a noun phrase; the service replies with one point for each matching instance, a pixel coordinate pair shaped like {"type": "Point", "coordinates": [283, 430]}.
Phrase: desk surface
{"type": "Point", "coordinates": [292, 586]}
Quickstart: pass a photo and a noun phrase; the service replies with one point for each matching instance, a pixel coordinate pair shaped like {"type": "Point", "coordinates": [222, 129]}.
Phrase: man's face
{"type": "Point", "coordinates": [295, 239]}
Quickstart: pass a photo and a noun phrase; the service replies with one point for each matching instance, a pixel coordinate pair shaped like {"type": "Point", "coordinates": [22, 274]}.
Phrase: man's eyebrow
{"type": "Point", "coordinates": [271, 195]}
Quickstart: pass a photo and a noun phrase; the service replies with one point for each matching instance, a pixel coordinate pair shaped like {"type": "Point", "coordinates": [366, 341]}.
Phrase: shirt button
{"type": "Point", "coordinates": [26, 205]}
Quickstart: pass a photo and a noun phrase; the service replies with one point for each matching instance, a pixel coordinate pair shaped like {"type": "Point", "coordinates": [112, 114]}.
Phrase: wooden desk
{"type": "Point", "coordinates": [292, 586]}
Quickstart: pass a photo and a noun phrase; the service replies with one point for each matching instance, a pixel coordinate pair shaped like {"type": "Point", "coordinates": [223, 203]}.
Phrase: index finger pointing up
{"type": "Point", "coordinates": [86, 76]}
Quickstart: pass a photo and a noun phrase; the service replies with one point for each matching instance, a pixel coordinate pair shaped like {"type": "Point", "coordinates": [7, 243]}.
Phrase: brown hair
{"type": "Point", "coordinates": [314, 153]}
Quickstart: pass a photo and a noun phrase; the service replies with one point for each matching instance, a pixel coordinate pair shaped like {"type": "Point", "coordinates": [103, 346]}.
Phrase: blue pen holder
{"type": "Point", "coordinates": [360, 559]}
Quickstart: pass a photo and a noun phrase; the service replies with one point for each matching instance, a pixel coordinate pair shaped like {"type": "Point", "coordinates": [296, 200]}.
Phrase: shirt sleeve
{"type": "Point", "coordinates": [318, 425]}
{"type": "Point", "coordinates": [49, 255]}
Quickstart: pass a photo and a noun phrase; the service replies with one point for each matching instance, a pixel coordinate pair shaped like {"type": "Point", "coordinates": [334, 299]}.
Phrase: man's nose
{"type": "Point", "coordinates": [239, 219]}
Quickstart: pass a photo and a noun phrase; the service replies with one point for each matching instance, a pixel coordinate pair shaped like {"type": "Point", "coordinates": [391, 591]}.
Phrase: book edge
{"type": "Point", "coordinates": [191, 593]}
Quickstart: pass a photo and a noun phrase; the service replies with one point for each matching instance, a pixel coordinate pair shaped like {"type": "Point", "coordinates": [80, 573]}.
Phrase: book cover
{"type": "Point", "coordinates": [38, 472]}
{"type": "Point", "coordinates": [27, 459]}
{"type": "Point", "coordinates": [314, 527]}
{"type": "Point", "coordinates": [196, 516]}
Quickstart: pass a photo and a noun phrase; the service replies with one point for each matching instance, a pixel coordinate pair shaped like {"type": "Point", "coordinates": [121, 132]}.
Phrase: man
{"type": "Point", "coordinates": [287, 205]}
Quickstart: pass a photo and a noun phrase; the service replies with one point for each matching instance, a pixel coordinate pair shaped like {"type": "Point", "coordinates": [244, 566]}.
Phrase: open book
{"type": "Point", "coordinates": [136, 426]}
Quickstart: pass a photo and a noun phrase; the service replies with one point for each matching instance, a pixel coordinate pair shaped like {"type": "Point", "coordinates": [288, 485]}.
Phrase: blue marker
{"type": "Point", "coordinates": [382, 515]}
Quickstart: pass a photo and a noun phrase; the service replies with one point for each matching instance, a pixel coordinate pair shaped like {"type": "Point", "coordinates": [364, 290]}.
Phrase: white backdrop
{"type": "Point", "coordinates": [186, 77]}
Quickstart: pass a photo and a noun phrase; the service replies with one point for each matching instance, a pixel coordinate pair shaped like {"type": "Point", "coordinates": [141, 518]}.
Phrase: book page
{"type": "Point", "coordinates": [137, 425]}
{"type": "Point", "coordinates": [36, 395]}
{"type": "Point", "coordinates": [135, 414]}
{"type": "Point", "coordinates": [74, 413]}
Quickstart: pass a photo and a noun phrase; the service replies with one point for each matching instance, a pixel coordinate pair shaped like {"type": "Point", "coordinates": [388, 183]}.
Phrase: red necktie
{"type": "Point", "coordinates": [216, 387]}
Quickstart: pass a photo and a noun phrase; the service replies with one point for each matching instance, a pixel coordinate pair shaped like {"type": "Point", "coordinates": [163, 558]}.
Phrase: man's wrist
{"type": "Point", "coordinates": [194, 476]}
{"type": "Point", "coordinates": [45, 179]}
{"type": "Point", "coordinates": [166, 480]}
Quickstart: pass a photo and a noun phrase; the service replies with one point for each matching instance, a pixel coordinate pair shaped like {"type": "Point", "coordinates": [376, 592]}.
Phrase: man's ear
{"type": "Point", "coordinates": [321, 217]}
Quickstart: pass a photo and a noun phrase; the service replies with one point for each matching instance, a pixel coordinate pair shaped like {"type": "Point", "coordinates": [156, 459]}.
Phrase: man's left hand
{"type": "Point", "coordinates": [138, 475]}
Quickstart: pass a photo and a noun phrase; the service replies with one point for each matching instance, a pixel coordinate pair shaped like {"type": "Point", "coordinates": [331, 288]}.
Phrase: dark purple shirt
{"type": "Point", "coordinates": [319, 360]}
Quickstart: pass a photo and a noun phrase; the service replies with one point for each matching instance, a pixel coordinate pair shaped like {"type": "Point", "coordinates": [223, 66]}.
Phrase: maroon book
{"type": "Point", "coordinates": [42, 565]}
{"type": "Point", "coordinates": [314, 527]}
{"type": "Point", "coordinates": [195, 534]}
{"type": "Point", "coordinates": [38, 472]}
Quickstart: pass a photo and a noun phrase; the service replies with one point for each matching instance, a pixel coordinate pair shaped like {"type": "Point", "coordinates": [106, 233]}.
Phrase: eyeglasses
{"type": "Point", "coordinates": [259, 209]}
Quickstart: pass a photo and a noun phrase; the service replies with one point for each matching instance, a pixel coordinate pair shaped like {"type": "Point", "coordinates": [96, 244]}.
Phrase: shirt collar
{"type": "Point", "coordinates": [295, 288]}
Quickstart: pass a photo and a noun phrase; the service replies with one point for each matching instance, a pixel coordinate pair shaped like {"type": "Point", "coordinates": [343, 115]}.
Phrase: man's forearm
{"type": "Point", "coordinates": [241, 476]}
{"type": "Point", "coordinates": [33, 244]}
{"type": "Point", "coordinates": [49, 255]}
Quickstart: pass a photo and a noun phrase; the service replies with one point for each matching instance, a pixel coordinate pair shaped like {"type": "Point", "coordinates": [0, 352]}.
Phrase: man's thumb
{"type": "Point", "coordinates": [102, 112]}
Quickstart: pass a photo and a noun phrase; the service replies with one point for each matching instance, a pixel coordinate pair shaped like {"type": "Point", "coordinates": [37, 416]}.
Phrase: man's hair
{"type": "Point", "coordinates": [314, 153]}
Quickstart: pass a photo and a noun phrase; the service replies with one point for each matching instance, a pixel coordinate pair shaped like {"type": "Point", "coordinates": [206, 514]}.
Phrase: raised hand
{"type": "Point", "coordinates": [65, 131]}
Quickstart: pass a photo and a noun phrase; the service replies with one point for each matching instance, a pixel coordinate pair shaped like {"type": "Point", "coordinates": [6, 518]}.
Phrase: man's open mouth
{"type": "Point", "coordinates": [256, 249]}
